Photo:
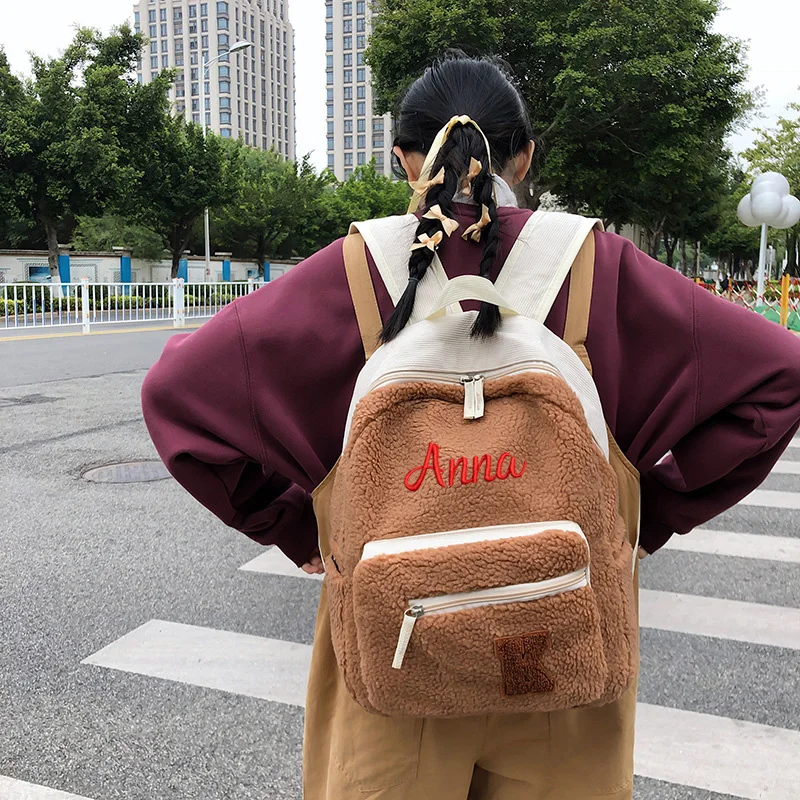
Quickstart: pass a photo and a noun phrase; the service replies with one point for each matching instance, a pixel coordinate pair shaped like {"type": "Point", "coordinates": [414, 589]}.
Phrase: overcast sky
{"type": "Point", "coordinates": [45, 27]}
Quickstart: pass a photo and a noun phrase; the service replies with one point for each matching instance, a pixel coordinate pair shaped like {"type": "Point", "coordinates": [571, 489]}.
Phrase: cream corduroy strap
{"type": "Point", "coordinates": [430, 159]}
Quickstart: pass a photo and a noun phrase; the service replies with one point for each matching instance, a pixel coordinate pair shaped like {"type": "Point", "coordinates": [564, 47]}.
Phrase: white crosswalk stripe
{"type": "Point", "coordinates": [11, 789]}
{"type": "Point", "coordinates": [786, 468]}
{"type": "Point", "coordinates": [738, 545]}
{"type": "Point", "coordinates": [771, 499]}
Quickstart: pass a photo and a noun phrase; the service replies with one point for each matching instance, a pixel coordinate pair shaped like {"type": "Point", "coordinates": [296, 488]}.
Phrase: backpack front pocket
{"type": "Point", "coordinates": [483, 620]}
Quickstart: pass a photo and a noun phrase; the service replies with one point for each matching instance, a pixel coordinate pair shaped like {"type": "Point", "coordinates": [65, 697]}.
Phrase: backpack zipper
{"type": "Point", "coordinates": [519, 593]}
{"type": "Point", "coordinates": [474, 403]}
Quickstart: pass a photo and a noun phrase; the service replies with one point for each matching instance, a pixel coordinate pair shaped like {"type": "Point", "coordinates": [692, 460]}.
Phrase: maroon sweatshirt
{"type": "Point", "coordinates": [248, 412]}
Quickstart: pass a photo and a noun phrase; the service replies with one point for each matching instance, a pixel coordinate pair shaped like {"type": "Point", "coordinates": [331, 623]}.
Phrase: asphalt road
{"type": "Point", "coordinates": [85, 566]}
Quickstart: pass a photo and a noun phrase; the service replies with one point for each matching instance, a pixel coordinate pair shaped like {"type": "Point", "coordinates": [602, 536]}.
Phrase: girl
{"type": "Point", "coordinates": [249, 413]}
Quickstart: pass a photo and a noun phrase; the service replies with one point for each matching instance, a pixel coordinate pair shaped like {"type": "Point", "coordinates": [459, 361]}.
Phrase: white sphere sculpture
{"type": "Point", "coordinates": [770, 202]}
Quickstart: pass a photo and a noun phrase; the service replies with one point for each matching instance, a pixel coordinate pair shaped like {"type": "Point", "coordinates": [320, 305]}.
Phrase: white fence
{"type": "Point", "coordinates": [26, 305]}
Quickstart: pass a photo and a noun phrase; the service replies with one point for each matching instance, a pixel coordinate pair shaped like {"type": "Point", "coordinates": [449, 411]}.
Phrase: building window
{"type": "Point", "coordinates": [348, 109]}
{"type": "Point", "coordinates": [225, 102]}
{"type": "Point", "coordinates": [347, 9]}
{"type": "Point", "coordinates": [163, 28]}
{"type": "Point", "coordinates": [223, 40]}
{"type": "Point", "coordinates": [222, 24]}
{"type": "Point", "coordinates": [163, 15]}
{"type": "Point", "coordinates": [331, 162]}
{"type": "Point", "coordinates": [329, 45]}
{"type": "Point", "coordinates": [177, 13]}
{"type": "Point", "coordinates": [347, 26]}
{"type": "Point", "coordinates": [329, 62]}
{"type": "Point", "coordinates": [195, 89]}
{"type": "Point", "coordinates": [196, 119]}
{"type": "Point", "coordinates": [195, 105]}
{"type": "Point", "coordinates": [361, 25]}
{"type": "Point", "coordinates": [362, 158]}
{"type": "Point", "coordinates": [377, 142]}
{"type": "Point", "coordinates": [204, 42]}
{"type": "Point", "coordinates": [225, 72]}
{"type": "Point", "coordinates": [193, 26]}
{"type": "Point", "coordinates": [348, 173]}
{"type": "Point", "coordinates": [360, 60]}
{"type": "Point", "coordinates": [225, 87]}
{"type": "Point", "coordinates": [203, 9]}
{"type": "Point", "coordinates": [362, 109]}
{"type": "Point", "coordinates": [348, 76]}
{"type": "Point", "coordinates": [330, 143]}
{"type": "Point", "coordinates": [194, 74]}
{"type": "Point", "coordinates": [330, 110]}
{"type": "Point", "coordinates": [348, 159]}
{"type": "Point", "coordinates": [361, 42]}
{"type": "Point", "coordinates": [222, 8]}
{"type": "Point", "coordinates": [362, 125]}
{"type": "Point", "coordinates": [361, 7]}
{"type": "Point", "coordinates": [361, 75]}
{"type": "Point", "coordinates": [164, 46]}
{"type": "Point", "coordinates": [192, 11]}
{"type": "Point", "coordinates": [362, 92]}
{"type": "Point", "coordinates": [362, 141]}
{"type": "Point", "coordinates": [348, 92]}
{"type": "Point", "coordinates": [151, 15]}
{"type": "Point", "coordinates": [225, 133]}
{"type": "Point", "coordinates": [348, 142]}
{"type": "Point", "coordinates": [153, 47]}
{"type": "Point", "coordinates": [348, 126]}
{"type": "Point", "coordinates": [204, 25]}
{"type": "Point", "coordinates": [193, 59]}
{"type": "Point", "coordinates": [154, 62]}
{"type": "Point", "coordinates": [329, 95]}
{"type": "Point", "coordinates": [379, 160]}
{"type": "Point", "coordinates": [178, 61]}
{"type": "Point", "coordinates": [153, 31]}
{"type": "Point", "coordinates": [347, 42]}
{"type": "Point", "coordinates": [329, 29]}
{"type": "Point", "coordinates": [348, 60]}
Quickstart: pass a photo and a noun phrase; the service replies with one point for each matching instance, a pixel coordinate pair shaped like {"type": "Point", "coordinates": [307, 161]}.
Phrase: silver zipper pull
{"type": "Point", "coordinates": [479, 402]}
{"type": "Point", "coordinates": [409, 621]}
{"type": "Point", "coordinates": [469, 397]}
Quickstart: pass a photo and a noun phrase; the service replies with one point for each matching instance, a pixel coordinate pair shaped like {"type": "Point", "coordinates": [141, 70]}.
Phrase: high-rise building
{"type": "Point", "coordinates": [355, 133]}
{"type": "Point", "coordinates": [248, 95]}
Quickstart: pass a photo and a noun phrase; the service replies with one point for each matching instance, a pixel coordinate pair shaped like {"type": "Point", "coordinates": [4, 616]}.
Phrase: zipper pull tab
{"type": "Point", "coordinates": [478, 399]}
{"type": "Point", "coordinates": [409, 621]}
{"type": "Point", "coordinates": [469, 397]}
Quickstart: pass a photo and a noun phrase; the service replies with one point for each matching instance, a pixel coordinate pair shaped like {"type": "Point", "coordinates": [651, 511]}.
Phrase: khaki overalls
{"type": "Point", "coordinates": [350, 754]}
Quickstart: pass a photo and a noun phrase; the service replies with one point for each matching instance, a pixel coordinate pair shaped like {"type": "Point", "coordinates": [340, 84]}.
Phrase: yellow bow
{"type": "Point", "coordinates": [449, 225]}
{"type": "Point", "coordinates": [431, 242]}
{"type": "Point", "coordinates": [421, 187]}
{"type": "Point", "coordinates": [475, 168]}
{"type": "Point", "coordinates": [474, 231]}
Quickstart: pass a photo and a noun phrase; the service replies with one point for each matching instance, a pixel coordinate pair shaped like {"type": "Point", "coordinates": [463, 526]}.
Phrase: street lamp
{"type": "Point", "coordinates": [770, 203]}
{"type": "Point", "coordinates": [237, 48]}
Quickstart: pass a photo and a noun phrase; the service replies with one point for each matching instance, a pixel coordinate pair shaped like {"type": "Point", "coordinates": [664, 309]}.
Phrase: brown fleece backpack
{"type": "Point", "coordinates": [477, 560]}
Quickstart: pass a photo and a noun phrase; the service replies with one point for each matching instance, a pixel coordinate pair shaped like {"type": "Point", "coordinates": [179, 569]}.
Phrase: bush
{"type": "Point", "coordinates": [11, 307]}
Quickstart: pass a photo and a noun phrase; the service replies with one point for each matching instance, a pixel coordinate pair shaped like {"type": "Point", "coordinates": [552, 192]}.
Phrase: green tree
{"type": "Point", "coordinates": [275, 214]}
{"type": "Point", "coordinates": [620, 93]}
{"type": "Point", "coordinates": [59, 132]}
{"type": "Point", "coordinates": [176, 174]}
{"type": "Point", "coordinates": [111, 230]}
{"type": "Point", "coordinates": [778, 150]}
{"type": "Point", "coordinates": [366, 194]}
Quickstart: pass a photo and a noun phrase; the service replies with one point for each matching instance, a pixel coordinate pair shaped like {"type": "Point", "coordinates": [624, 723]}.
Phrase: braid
{"type": "Point", "coordinates": [421, 258]}
{"type": "Point", "coordinates": [488, 319]}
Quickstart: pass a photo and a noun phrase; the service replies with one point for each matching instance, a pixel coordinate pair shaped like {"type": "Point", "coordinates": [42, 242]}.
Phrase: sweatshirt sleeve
{"type": "Point", "coordinates": [709, 396]}
{"type": "Point", "coordinates": [248, 412]}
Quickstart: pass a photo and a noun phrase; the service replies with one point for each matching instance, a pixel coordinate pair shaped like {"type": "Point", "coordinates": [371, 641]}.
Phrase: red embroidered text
{"type": "Point", "coordinates": [464, 470]}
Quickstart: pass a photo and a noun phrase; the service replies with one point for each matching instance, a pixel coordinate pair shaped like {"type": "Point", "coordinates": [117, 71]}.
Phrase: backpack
{"type": "Point", "coordinates": [477, 561]}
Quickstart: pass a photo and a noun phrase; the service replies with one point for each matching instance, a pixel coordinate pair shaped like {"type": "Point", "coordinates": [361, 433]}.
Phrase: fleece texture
{"type": "Point", "coordinates": [545, 466]}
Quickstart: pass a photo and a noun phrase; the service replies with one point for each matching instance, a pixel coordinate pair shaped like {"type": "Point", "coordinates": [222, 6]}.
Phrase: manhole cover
{"type": "Point", "coordinates": [128, 472]}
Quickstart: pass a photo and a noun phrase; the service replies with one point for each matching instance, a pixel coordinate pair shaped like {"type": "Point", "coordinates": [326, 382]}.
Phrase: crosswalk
{"type": "Point", "coordinates": [700, 751]}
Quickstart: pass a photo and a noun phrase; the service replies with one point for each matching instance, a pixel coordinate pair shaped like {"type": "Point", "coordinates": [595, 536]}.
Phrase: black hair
{"type": "Point", "coordinates": [484, 91]}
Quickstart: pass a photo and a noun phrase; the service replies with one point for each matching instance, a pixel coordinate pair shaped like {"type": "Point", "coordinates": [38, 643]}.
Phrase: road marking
{"type": "Point", "coordinates": [96, 333]}
{"type": "Point", "coordinates": [752, 761]}
{"type": "Point", "coordinates": [239, 663]}
{"type": "Point", "coordinates": [738, 545]}
{"type": "Point", "coordinates": [776, 626]}
{"type": "Point", "coordinates": [11, 789]}
{"type": "Point", "coordinates": [274, 562]}
{"type": "Point", "coordinates": [722, 755]}
{"type": "Point", "coordinates": [772, 499]}
{"type": "Point", "coordinates": [786, 468]}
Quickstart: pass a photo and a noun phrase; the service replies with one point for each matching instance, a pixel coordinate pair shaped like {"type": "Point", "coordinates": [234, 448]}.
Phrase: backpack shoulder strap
{"type": "Point", "coordinates": [540, 261]}
{"type": "Point", "coordinates": [389, 240]}
{"type": "Point", "coordinates": [581, 282]}
{"type": "Point", "coordinates": [362, 292]}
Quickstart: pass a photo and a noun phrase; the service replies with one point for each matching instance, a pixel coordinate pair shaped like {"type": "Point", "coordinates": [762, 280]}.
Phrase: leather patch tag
{"type": "Point", "coordinates": [520, 663]}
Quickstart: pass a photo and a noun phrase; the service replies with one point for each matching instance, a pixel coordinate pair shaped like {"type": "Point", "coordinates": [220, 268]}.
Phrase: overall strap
{"type": "Point", "coordinates": [579, 304]}
{"type": "Point", "coordinates": [362, 292]}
